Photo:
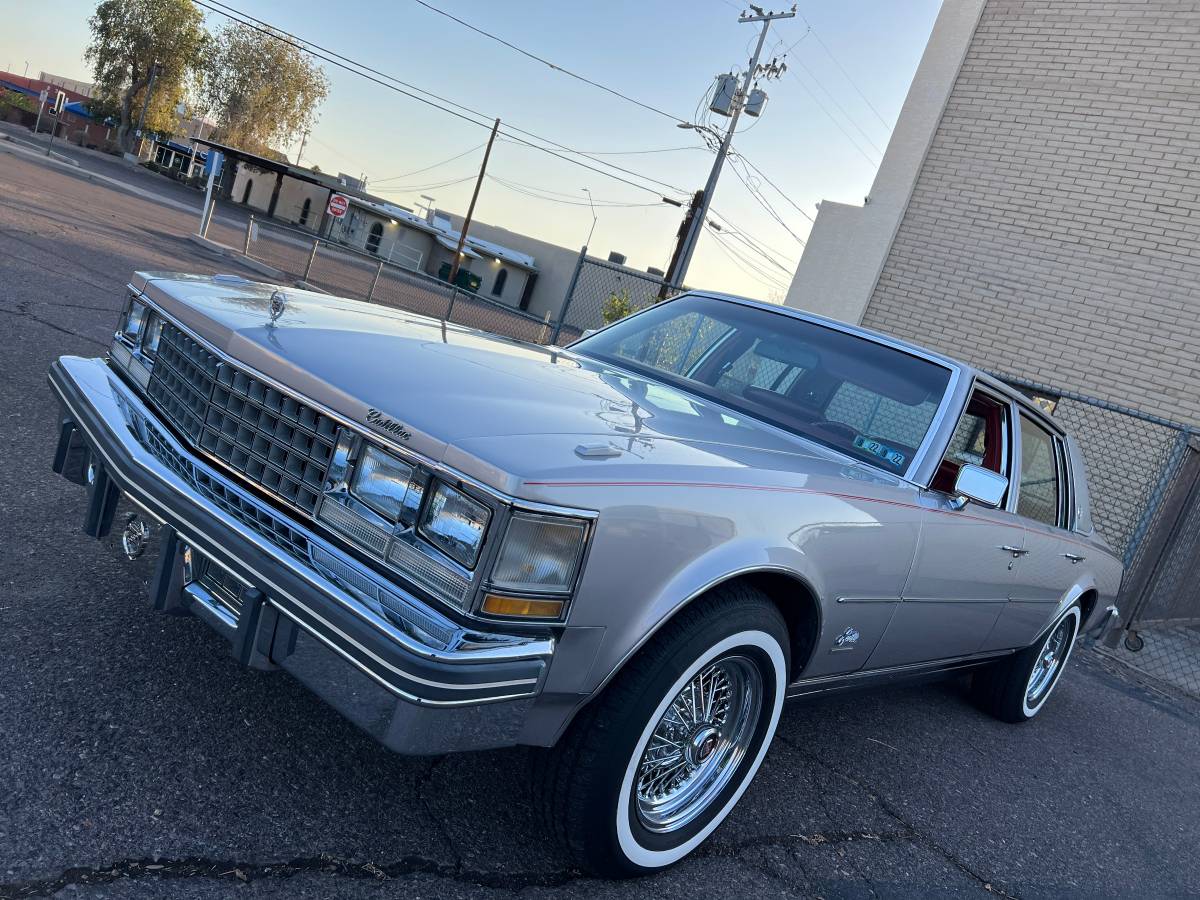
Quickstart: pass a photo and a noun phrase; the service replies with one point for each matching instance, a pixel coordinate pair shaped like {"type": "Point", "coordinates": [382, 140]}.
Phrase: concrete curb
{"type": "Point", "coordinates": [34, 148]}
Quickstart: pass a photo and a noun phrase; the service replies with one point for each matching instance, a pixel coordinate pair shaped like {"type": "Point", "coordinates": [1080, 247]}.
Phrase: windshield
{"type": "Point", "coordinates": [867, 400]}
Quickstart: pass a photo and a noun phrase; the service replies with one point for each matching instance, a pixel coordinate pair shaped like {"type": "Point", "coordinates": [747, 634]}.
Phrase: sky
{"type": "Point", "coordinates": [826, 123]}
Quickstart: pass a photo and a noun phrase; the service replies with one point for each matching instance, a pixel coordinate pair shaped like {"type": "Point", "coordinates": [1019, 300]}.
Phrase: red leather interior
{"type": "Point", "coordinates": [993, 418]}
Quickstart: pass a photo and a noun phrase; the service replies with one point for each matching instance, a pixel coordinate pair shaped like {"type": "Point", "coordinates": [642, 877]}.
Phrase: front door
{"type": "Point", "coordinates": [963, 573]}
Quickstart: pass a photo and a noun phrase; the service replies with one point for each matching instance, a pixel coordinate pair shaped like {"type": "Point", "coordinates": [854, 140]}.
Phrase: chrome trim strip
{"type": "Point", "coordinates": [375, 676]}
{"type": "Point", "coordinates": [407, 676]}
{"type": "Point", "coordinates": [799, 687]}
{"type": "Point", "coordinates": [870, 599]}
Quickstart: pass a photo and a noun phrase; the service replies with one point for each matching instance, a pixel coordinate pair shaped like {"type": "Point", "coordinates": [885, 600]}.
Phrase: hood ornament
{"type": "Point", "coordinates": [278, 305]}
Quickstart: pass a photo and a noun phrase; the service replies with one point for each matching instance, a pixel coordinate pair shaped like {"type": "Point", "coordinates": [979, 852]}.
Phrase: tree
{"type": "Point", "coordinates": [10, 100]}
{"type": "Point", "coordinates": [617, 306]}
{"type": "Point", "coordinates": [128, 37]}
{"type": "Point", "coordinates": [262, 90]}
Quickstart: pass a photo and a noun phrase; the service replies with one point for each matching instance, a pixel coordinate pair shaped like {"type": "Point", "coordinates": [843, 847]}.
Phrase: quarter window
{"type": "Point", "coordinates": [1041, 475]}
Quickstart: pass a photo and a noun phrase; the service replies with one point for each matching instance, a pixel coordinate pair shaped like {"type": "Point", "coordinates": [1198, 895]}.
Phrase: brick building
{"type": "Point", "coordinates": [1037, 211]}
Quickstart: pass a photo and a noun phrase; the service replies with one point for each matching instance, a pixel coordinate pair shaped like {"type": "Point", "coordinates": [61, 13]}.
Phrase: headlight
{"type": "Point", "coordinates": [540, 554]}
{"type": "Point", "coordinates": [455, 524]}
{"type": "Point", "coordinates": [381, 481]}
{"type": "Point", "coordinates": [152, 334]}
{"type": "Point", "coordinates": [134, 320]}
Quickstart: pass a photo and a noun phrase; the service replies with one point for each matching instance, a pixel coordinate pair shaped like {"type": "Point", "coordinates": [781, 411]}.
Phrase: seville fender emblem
{"type": "Point", "coordinates": [847, 639]}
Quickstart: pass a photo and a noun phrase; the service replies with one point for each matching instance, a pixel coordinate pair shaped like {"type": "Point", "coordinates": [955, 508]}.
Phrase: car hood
{"type": "Point", "coordinates": [507, 413]}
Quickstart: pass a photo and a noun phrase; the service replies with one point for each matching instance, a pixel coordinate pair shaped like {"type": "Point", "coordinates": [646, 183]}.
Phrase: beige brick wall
{"type": "Point", "coordinates": [1054, 231]}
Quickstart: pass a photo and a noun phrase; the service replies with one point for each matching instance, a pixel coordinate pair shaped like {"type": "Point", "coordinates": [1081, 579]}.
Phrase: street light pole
{"type": "Point", "coordinates": [699, 215]}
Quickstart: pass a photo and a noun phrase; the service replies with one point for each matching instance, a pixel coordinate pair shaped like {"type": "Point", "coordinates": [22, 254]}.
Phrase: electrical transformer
{"type": "Point", "coordinates": [724, 95]}
{"type": "Point", "coordinates": [756, 102]}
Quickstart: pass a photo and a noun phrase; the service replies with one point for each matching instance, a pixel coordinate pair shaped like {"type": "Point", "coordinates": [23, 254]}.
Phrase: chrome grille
{"type": "Point", "coordinates": [272, 439]}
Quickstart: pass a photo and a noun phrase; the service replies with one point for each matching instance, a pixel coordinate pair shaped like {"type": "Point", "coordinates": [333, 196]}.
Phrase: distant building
{"type": "Point", "coordinates": [75, 124]}
{"type": "Point", "coordinates": [82, 88]}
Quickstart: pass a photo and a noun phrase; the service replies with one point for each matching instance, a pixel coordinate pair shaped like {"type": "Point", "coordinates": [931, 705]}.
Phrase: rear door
{"type": "Point", "coordinates": [962, 575]}
{"type": "Point", "coordinates": [1050, 565]}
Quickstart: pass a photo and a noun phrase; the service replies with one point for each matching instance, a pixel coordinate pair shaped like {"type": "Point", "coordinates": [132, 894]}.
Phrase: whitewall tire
{"type": "Point", "coordinates": [651, 768]}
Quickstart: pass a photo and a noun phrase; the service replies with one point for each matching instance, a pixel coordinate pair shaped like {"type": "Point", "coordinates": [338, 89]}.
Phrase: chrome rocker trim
{"type": "Point", "coordinates": [392, 645]}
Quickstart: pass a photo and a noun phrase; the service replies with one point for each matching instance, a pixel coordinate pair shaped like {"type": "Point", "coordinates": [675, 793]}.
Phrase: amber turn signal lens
{"type": "Point", "coordinates": [499, 605]}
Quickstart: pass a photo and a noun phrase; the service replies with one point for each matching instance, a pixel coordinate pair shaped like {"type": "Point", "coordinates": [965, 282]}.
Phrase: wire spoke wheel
{"type": "Point", "coordinates": [1049, 661]}
{"type": "Point", "coordinates": [698, 744]}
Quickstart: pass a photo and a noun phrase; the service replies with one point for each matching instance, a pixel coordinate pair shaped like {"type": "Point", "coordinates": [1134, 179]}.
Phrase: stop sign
{"type": "Point", "coordinates": [338, 204]}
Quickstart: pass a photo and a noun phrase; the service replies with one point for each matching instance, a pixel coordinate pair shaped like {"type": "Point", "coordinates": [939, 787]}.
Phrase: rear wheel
{"type": "Point", "coordinates": [1016, 688]}
{"type": "Point", "coordinates": [657, 762]}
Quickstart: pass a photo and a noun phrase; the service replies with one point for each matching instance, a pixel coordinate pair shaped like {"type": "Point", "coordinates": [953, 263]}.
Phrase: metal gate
{"type": "Point", "coordinates": [1160, 598]}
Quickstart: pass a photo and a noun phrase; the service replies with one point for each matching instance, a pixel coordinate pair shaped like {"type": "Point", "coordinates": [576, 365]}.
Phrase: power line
{"type": "Point", "coordinates": [778, 189]}
{"type": "Point", "coordinates": [538, 195]}
{"type": "Point", "coordinates": [745, 265]}
{"type": "Point", "coordinates": [842, 109]}
{"type": "Point", "coordinates": [765, 204]}
{"type": "Point", "coordinates": [546, 62]}
{"type": "Point", "coordinates": [825, 110]}
{"type": "Point", "coordinates": [407, 89]}
{"type": "Point", "coordinates": [853, 83]}
{"type": "Point", "coordinates": [405, 189]}
{"type": "Point", "coordinates": [427, 168]}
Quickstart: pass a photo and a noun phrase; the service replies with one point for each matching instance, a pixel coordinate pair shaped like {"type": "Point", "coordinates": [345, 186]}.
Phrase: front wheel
{"type": "Point", "coordinates": [1016, 688]}
{"type": "Point", "coordinates": [654, 765]}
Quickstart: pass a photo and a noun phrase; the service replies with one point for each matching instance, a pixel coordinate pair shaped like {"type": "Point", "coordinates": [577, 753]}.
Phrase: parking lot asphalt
{"type": "Point", "coordinates": [138, 760]}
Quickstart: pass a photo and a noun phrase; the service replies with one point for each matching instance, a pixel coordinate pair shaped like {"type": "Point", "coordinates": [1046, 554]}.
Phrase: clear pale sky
{"type": "Point", "coordinates": [663, 52]}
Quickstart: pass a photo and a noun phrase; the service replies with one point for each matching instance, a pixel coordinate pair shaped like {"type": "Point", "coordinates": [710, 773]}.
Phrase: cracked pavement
{"type": "Point", "coordinates": [138, 760]}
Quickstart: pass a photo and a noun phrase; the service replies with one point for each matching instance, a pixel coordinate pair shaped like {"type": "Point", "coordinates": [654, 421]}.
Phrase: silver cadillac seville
{"type": "Point", "coordinates": [627, 553]}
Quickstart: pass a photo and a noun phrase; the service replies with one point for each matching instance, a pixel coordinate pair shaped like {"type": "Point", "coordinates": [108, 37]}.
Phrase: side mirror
{"type": "Point", "coordinates": [981, 485]}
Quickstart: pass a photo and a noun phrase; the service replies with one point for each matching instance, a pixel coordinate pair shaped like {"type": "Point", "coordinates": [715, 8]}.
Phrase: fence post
{"type": "Point", "coordinates": [375, 281]}
{"type": "Point", "coordinates": [562, 313]}
{"type": "Point", "coordinates": [1156, 497]}
{"type": "Point", "coordinates": [545, 327]}
{"type": "Point", "coordinates": [312, 256]}
{"type": "Point", "coordinates": [450, 308]}
{"type": "Point", "coordinates": [249, 232]}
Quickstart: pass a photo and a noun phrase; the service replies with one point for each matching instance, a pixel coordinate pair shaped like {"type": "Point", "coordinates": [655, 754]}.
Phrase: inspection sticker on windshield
{"type": "Point", "coordinates": [895, 457]}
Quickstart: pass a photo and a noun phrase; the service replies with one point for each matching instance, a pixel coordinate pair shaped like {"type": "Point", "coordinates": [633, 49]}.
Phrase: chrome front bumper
{"type": "Point", "coordinates": [415, 679]}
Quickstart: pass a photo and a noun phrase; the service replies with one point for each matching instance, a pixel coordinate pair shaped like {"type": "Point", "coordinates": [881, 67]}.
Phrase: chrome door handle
{"type": "Point", "coordinates": [1015, 551]}
{"type": "Point", "coordinates": [1074, 557]}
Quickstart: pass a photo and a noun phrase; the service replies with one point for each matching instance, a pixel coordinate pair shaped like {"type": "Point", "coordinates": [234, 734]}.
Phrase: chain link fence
{"type": "Point", "coordinates": [1144, 480]}
{"type": "Point", "coordinates": [602, 292]}
{"type": "Point", "coordinates": [347, 272]}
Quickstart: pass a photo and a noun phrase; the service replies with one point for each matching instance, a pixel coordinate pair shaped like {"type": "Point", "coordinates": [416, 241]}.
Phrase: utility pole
{"type": "Point", "coordinates": [303, 140]}
{"type": "Point", "coordinates": [462, 236]}
{"type": "Point", "coordinates": [155, 70]}
{"type": "Point", "coordinates": [685, 228]}
{"type": "Point", "coordinates": [696, 225]}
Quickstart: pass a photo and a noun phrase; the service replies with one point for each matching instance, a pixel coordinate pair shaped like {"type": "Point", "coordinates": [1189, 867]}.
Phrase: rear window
{"type": "Point", "coordinates": [858, 396]}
